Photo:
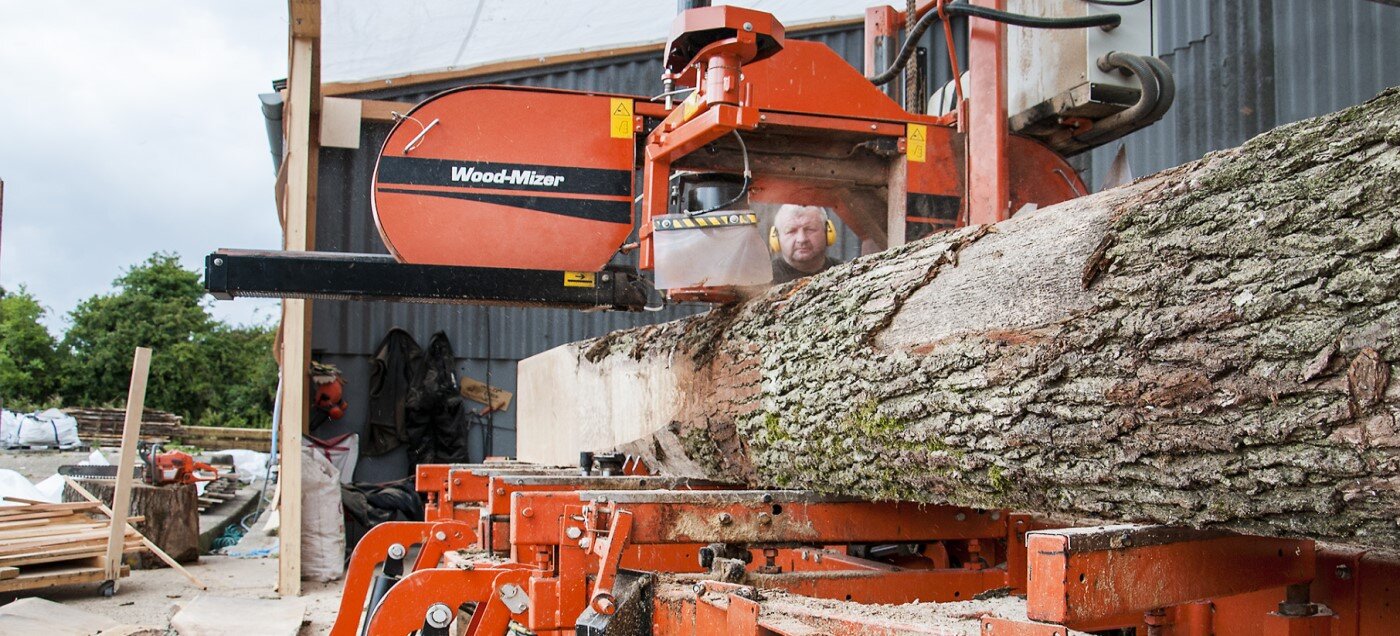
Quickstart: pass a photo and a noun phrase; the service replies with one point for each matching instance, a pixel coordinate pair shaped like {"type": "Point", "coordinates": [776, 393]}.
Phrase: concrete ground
{"type": "Point", "coordinates": [36, 464]}
{"type": "Point", "coordinates": [149, 598]}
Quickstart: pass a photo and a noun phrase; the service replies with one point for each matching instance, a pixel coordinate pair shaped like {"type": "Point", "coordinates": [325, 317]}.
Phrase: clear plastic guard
{"type": "Point", "coordinates": [731, 255]}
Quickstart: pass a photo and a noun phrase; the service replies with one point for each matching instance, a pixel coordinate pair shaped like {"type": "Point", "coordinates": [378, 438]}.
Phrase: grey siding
{"type": "Point", "coordinates": [1242, 67]}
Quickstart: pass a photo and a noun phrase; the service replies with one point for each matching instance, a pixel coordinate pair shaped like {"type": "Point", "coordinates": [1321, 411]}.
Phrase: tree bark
{"type": "Point", "coordinates": [1209, 346]}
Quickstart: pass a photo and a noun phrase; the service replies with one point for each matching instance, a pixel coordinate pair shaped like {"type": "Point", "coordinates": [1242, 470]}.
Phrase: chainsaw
{"type": "Point", "coordinates": [156, 468]}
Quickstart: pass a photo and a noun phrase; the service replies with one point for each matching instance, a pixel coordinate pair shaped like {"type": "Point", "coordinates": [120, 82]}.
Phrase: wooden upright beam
{"type": "Point", "coordinates": [121, 496]}
{"type": "Point", "coordinates": [299, 230]}
{"type": "Point", "coordinates": [305, 18]}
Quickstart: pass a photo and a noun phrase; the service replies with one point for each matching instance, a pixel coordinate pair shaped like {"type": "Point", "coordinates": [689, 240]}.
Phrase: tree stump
{"type": "Point", "coordinates": [171, 518]}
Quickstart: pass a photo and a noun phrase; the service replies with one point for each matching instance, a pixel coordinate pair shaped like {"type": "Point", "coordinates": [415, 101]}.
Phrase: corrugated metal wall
{"type": "Point", "coordinates": [1245, 67]}
{"type": "Point", "coordinates": [1241, 68]}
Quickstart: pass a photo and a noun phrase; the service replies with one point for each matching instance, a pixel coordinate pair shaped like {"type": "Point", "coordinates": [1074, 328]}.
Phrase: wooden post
{"type": "Point", "coordinates": [121, 498]}
{"type": "Point", "coordinates": [298, 232]}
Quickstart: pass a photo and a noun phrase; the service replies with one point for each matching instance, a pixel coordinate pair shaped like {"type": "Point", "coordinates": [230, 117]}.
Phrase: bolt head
{"type": "Point", "coordinates": [748, 26]}
{"type": "Point", "coordinates": [960, 517]}
{"type": "Point", "coordinates": [765, 518]}
{"type": "Point", "coordinates": [440, 536]}
{"type": "Point", "coordinates": [439, 615]}
{"type": "Point", "coordinates": [218, 262]}
{"type": "Point", "coordinates": [528, 512]}
{"type": "Point", "coordinates": [573, 532]}
{"type": "Point", "coordinates": [725, 519]}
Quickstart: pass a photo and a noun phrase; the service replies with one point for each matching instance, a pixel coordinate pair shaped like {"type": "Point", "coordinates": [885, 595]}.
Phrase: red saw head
{"type": "Point", "coordinates": [494, 176]}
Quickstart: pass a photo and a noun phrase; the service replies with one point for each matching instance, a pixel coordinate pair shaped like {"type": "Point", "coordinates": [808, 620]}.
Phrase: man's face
{"type": "Point", "coordinates": [802, 239]}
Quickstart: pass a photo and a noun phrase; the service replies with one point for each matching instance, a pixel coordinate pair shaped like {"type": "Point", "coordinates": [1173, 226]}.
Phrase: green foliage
{"type": "Point", "coordinates": [28, 358]}
{"type": "Point", "coordinates": [208, 372]}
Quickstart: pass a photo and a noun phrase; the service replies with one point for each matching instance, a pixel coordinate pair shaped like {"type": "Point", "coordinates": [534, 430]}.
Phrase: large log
{"type": "Point", "coordinates": [1209, 346]}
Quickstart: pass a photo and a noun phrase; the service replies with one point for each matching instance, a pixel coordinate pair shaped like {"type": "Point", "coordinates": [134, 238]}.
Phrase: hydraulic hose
{"type": "Point", "coordinates": [1158, 92]}
{"type": "Point", "coordinates": [962, 8]}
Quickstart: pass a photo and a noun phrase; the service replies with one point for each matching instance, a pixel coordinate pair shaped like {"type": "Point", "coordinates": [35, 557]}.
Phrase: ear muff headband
{"type": "Point", "coordinates": [776, 247]}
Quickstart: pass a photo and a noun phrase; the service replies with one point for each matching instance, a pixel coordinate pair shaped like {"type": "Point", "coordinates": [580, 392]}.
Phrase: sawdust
{"type": "Point", "coordinates": [824, 616]}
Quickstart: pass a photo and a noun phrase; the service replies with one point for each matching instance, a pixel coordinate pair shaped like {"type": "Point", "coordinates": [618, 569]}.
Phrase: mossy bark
{"type": "Point", "coordinates": [1209, 346]}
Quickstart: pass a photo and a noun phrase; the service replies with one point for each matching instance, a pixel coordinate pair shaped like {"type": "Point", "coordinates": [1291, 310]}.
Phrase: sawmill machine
{"type": "Point", "coordinates": [527, 196]}
{"type": "Point", "coordinates": [520, 196]}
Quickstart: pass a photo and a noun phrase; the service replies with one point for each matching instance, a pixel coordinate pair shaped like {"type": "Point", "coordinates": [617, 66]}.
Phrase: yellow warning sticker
{"type": "Point", "coordinates": [916, 142]}
{"type": "Point", "coordinates": [690, 106]}
{"type": "Point", "coordinates": [579, 279]}
{"type": "Point", "coordinates": [620, 119]}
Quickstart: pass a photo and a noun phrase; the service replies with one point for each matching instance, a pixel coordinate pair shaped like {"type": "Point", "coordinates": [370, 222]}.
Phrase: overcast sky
{"type": "Point", "coordinates": [128, 128]}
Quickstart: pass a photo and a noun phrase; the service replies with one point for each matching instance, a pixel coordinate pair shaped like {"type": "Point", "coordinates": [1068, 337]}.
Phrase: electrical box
{"type": "Point", "coordinates": [1054, 73]}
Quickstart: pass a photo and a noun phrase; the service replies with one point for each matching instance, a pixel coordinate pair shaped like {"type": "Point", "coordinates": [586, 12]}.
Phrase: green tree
{"type": "Point", "coordinates": [28, 357]}
{"type": "Point", "coordinates": [208, 372]}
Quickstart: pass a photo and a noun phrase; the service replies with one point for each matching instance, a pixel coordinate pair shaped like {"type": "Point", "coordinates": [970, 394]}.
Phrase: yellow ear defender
{"type": "Point", "coordinates": [776, 247]}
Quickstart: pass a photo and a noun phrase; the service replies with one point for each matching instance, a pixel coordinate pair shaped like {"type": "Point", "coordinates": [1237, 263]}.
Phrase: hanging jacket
{"type": "Point", "coordinates": [396, 368]}
{"type": "Point", "coordinates": [439, 420]}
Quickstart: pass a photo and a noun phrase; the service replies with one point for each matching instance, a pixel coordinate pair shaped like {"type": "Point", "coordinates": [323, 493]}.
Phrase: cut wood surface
{"type": "Point", "coordinates": [1208, 346]}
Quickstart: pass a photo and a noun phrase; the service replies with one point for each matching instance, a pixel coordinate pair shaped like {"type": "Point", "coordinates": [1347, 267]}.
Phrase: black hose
{"type": "Point", "coordinates": [962, 8]}
{"type": "Point", "coordinates": [1114, 3]}
{"type": "Point", "coordinates": [1158, 92]}
{"type": "Point", "coordinates": [1167, 90]}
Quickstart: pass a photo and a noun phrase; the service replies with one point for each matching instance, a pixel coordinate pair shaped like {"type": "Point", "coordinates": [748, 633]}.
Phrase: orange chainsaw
{"type": "Point", "coordinates": [156, 468]}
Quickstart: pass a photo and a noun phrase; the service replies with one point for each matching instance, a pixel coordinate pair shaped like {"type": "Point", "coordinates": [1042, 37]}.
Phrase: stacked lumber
{"type": "Point", "coordinates": [43, 544]}
{"type": "Point", "coordinates": [218, 491]}
{"type": "Point", "coordinates": [221, 438]}
{"type": "Point", "coordinates": [103, 426]}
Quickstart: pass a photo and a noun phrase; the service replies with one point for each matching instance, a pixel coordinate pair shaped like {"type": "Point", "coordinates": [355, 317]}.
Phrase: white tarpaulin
{"type": "Point", "coordinates": [13, 484]}
{"type": "Point", "coordinates": [370, 39]}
